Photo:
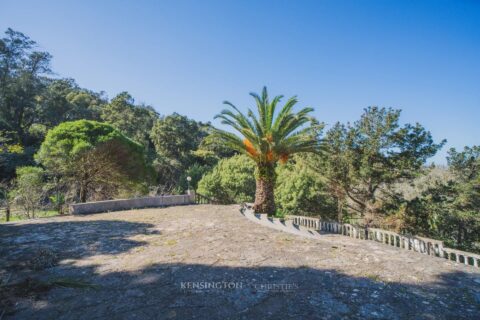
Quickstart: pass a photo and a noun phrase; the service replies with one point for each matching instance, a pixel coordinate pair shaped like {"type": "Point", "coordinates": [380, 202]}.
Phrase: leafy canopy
{"type": "Point", "coordinates": [69, 139]}
{"type": "Point", "coordinates": [364, 159]}
{"type": "Point", "coordinates": [231, 181]}
{"type": "Point", "coordinates": [300, 190]}
{"type": "Point", "coordinates": [134, 121]}
{"type": "Point", "coordinates": [94, 158]}
{"type": "Point", "coordinates": [268, 136]}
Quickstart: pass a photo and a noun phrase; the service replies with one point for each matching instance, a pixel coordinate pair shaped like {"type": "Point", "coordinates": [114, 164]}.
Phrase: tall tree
{"type": "Point", "coordinates": [93, 158]}
{"type": "Point", "coordinates": [134, 121]}
{"type": "Point", "coordinates": [449, 209]}
{"type": "Point", "coordinates": [364, 159]}
{"type": "Point", "coordinates": [21, 80]}
{"type": "Point", "coordinates": [268, 138]}
{"type": "Point", "coordinates": [63, 100]}
{"type": "Point", "coordinates": [175, 137]}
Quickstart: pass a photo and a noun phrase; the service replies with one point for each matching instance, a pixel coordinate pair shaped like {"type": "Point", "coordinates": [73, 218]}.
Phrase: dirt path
{"type": "Point", "coordinates": [210, 262]}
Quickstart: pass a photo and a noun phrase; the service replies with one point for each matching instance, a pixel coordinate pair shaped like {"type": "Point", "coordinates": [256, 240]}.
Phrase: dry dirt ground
{"type": "Point", "coordinates": [210, 262]}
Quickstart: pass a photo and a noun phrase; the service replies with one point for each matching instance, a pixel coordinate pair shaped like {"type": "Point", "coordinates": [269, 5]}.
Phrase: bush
{"type": "Point", "coordinates": [28, 190]}
{"type": "Point", "coordinates": [300, 190]}
{"type": "Point", "coordinates": [231, 181]}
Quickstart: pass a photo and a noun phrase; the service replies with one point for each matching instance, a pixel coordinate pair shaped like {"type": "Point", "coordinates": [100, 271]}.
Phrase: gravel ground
{"type": "Point", "coordinates": [210, 262]}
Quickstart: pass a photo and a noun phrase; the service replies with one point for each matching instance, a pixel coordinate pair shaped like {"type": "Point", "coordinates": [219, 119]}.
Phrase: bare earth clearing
{"type": "Point", "coordinates": [145, 263]}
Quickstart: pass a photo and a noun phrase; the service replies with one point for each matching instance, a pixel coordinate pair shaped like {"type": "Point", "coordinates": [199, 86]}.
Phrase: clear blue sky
{"type": "Point", "coordinates": [337, 56]}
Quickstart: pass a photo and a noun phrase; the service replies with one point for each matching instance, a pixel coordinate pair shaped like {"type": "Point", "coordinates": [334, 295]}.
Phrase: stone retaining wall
{"type": "Point", "coordinates": [136, 203]}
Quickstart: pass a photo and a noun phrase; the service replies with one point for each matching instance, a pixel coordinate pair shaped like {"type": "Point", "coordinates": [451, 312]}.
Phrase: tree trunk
{"type": "Point", "coordinates": [8, 213]}
{"type": "Point", "coordinates": [264, 193]}
{"type": "Point", "coordinates": [83, 194]}
{"type": "Point", "coordinates": [339, 210]}
{"type": "Point", "coordinates": [264, 197]}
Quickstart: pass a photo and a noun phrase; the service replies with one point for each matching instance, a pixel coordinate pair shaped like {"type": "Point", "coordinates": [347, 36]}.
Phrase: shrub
{"type": "Point", "coordinates": [301, 191]}
{"type": "Point", "coordinates": [231, 181]}
{"type": "Point", "coordinates": [28, 190]}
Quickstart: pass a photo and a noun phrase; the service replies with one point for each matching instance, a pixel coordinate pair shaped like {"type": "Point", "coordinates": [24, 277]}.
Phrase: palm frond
{"type": "Point", "coordinates": [269, 136]}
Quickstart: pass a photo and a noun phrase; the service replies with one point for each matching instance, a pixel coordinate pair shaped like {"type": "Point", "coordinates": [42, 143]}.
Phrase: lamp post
{"type": "Point", "coordinates": [188, 182]}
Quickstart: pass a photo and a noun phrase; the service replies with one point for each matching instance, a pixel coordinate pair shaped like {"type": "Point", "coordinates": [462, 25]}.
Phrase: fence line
{"type": "Point", "coordinates": [201, 199]}
{"type": "Point", "coordinates": [423, 245]}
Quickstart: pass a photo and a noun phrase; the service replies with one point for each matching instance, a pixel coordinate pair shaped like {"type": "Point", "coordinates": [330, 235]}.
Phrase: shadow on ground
{"type": "Point", "coordinates": [186, 291]}
{"type": "Point", "coordinates": [72, 239]}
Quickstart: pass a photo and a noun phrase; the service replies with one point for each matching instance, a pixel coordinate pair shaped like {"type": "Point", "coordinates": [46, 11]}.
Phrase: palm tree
{"type": "Point", "coordinates": [268, 138]}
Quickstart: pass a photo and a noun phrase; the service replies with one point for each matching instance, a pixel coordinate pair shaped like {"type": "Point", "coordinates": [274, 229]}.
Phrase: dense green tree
{"type": "Point", "coordinates": [31, 103]}
{"type": "Point", "coordinates": [22, 71]}
{"type": "Point", "coordinates": [62, 100]}
{"type": "Point", "coordinates": [134, 121]}
{"type": "Point", "coordinates": [302, 191]}
{"type": "Point", "coordinates": [176, 138]}
{"type": "Point", "coordinates": [211, 150]}
{"type": "Point", "coordinates": [365, 159]}
{"type": "Point", "coordinates": [231, 181]}
{"type": "Point", "coordinates": [450, 209]}
{"type": "Point", "coordinates": [21, 80]}
{"type": "Point", "coordinates": [268, 138]}
{"type": "Point", "coordinates": [93, 158]}
{"type": "Point", "coordinates": [12, 155]}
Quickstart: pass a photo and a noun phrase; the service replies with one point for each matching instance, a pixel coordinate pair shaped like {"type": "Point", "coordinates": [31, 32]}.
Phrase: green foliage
{"type": "Point", "coordinates": [28, 190]}
{"type": "Point", "coordinates": [58, 200]}
{"type": "Point", "coordinates": [68, 140]}
{"type": "Point", "coordinates": [365, 159]}
{"type": "Point", "coordinates": [270, 136]}
{"type": "Point", "coordinates": [195, 172]}
{"type": "Point", "coordinates": [21, 80]}
{"type": "Point", "coordinates": [94, 158]}
{"type": "Point", "coordinates": [280, 214]}
{"type": "Point", "coordinates": [134, 121]}
{"type": "Point", "coordinates": [231, 181]}
{"type": "Point", "coordinates": [62, 100]}
{"type": "Point", "coordinates": [302, 191]}
{"type": "Point", "coordinates": [176, 137]}
{"type": "Point", "coordinates": [450, 211]}
{"type": "Point", "coordinates": [22, 68]}
{"type": "Point", "coordinates": [211, 150]}
{"type": "Point", "coordinates": [31, 103]}
{"type": "Point", "coordinates": [267, 138]}
{"type": "Point", "coordinates": [373, 169]}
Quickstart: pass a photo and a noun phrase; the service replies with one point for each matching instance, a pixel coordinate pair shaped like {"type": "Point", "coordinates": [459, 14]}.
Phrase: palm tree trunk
{"type": "Point", "coordinates": [264, 193]}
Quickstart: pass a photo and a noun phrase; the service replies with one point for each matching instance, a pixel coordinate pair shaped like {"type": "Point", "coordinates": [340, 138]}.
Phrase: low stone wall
{"type": "Point", "coordinates": [314, 227]}
{"type": "Point", "coordinates": [423, 245]}
{"type": "Point", "coordinates": [127, 204]}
